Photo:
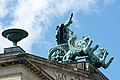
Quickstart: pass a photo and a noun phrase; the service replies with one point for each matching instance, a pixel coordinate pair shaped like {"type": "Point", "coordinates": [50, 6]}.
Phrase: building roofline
{"type": "Point", "coordinates": [30, 59]}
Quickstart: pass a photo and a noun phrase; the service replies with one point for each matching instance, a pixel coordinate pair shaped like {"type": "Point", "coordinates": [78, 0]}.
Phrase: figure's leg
{"type": "Point", "coordinates": [66, 56]}
{"type": "Point", "coordinates": [93, 49]}
{"type": "Point", "coordinates": [69, 57]}
{"type": "Point", "coordinates": [87, 48]}
{"type": "Point", "coordinates": [66, 59]}
{"type": "Point", "coordinates": [109, 62]}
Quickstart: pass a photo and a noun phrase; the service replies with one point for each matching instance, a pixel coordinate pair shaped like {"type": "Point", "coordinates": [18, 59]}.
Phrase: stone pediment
{"type": "Point", "coordinates": [47, 70]}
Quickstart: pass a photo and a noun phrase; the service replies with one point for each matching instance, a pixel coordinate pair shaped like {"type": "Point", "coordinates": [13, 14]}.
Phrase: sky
{"type": "Point", "coordinates": [99, 19]}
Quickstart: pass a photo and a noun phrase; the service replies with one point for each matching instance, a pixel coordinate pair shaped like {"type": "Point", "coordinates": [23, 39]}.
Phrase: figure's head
{"type": "Point", "coordinates": [86, 38]}
{"type": "Point", "coordinates": [102, 50]}
{"type": "Point", "coordinates": [62, 25]}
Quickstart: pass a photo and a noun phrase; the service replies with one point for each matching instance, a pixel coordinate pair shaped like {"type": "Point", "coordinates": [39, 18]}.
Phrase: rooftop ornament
{"type": "Point", "coordinates": [70, 49]}
{"type": "Point", "coordinates": [15, 35]}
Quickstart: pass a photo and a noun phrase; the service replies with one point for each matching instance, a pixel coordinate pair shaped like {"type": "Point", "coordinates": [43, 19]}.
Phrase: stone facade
{"type": "Point", "coordinates": [23, 66]}
{"type": "Point", "coordinates": [16, 72]}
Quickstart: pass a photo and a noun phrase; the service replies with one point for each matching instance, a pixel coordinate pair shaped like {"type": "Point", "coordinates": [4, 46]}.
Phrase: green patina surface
{"type": "Point", "coordinates": [69, 47]}
{"type": "Point", "coordinates": [15, 35]}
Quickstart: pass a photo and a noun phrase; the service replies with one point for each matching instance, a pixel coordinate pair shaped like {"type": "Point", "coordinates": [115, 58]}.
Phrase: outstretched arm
{"type": "Point", "coordinates": [69, 21]}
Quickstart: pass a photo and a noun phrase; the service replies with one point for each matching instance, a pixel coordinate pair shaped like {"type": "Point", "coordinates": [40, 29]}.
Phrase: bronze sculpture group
{"type": "Point", "coordinates": [69, 47]}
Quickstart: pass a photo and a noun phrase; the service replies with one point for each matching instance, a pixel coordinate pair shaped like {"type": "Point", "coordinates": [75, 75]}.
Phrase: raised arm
{"type": "Point", "coordinates": [67, 24]}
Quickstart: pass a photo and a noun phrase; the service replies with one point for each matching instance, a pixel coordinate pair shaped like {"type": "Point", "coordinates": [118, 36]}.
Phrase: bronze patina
{"type": "Point", "coordinates": [71, 49]}
{"type": "Point", "coordinates": [15, 35]}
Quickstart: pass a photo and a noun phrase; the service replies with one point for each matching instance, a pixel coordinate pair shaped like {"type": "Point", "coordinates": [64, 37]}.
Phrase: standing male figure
{"type": "Point", "coordinates": [63, 32]}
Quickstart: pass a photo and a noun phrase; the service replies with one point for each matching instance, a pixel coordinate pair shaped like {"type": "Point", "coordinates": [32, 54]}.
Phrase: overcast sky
{"type": "Point", "coordinates": [99, 19]}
